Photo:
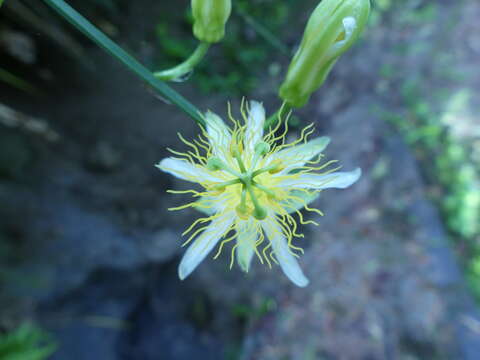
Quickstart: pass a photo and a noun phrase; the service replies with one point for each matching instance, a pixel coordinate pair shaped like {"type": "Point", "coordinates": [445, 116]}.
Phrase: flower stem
{"type": "Point", "coordinates": [88, 29]}
{"type": "Point", "coordinates": [263, 32]}
{"type": "Point", "coordinates": [176, 73]}
{"type": "Point", "coordinates": [1, 3]}
{"type": "Point", "coordinates": [278, 115]}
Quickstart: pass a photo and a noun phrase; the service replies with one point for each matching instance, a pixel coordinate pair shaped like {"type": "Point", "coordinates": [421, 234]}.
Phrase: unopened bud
{"type": "Point", "coordinates": [332, 28]}
{"type": "Point", "coordinates": [209, 19]}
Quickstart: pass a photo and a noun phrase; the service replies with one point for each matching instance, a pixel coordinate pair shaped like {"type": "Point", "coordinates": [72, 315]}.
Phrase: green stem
{"type": "Point", "coordinates": [263, 32]}
{"type": "Point", "coordinates": [88, 29]}
{"type": "Point", "coordinates": [1, 3]}
{"type": "Point", "coordinates": [237, 156]}
{"type": "Point", "coordinates": [278, 115]}
{"type": "Point", "coordinates": [185, 67]}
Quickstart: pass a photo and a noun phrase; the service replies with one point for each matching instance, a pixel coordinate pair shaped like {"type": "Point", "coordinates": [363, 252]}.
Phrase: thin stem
{"type": "Point", "coordinates": [223, 185]}
{"type": "Point", "coordinates": [241, 165]}
{"type": "Point", "coordinates": [264, 170]}
{"type": "Point", "coordinates": [259, 212]}
{"type": "Point", "coordinates": [264, 189]}
{"type": "Point", "coordinates": [263, 32]}
{"type": "Point", "coordinates": [185, 67]}
{"type": "Point", "coordinates": [88, 29]}
{"type": "Point", "coordinates": [278, 115]}
{"type": "Point", "coordinates": [1, 3]}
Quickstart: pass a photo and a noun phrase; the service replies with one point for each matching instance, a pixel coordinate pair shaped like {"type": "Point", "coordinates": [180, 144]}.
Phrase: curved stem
{"type": "Point", "coordinates": [278, 115]}
{"type": "Point", "coordinates": [263, 32]}
{"type": "Point", "coordinates": [185, 67]}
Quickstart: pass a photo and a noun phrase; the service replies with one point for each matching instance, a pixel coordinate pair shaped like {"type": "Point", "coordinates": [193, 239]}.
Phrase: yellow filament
{"type": "Point", "coordinates": [194, 235]}
{"type": "Point", "coordinates": [233, 255]}
{"type": "Point", "coordinates": [222, 244]}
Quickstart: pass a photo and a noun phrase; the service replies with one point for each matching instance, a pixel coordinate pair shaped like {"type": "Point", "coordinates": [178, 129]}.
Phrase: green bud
{"type": "Point", "coordinates": [210, 17]}
{"type": "Point", "coordinates": [332, 28]}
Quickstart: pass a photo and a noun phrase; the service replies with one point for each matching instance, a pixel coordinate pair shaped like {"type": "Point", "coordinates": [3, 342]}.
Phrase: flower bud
{"type": "Point", "coordinates": [332, 28]}
{"type": "Point", "coordinates": [209, 19]}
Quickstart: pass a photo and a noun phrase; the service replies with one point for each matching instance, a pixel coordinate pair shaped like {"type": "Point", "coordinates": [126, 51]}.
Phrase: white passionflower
{"type": "Point", "coordinates": [252, 183]}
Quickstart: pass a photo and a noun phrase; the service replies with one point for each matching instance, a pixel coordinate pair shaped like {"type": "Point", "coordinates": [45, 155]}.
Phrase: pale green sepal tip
{"type": "Point", "coordinates": [244, 259]}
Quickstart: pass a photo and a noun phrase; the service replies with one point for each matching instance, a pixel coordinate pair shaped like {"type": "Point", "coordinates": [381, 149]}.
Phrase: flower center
{"type": "Point", "coordinates": [246, 177]}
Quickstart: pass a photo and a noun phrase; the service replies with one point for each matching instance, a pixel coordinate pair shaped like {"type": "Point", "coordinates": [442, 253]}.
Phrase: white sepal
{"type": "Point", "coordinates": [287, 261]}
{"type": "Point", "coordinates": [337, 180]}
{"type": "Point", "coordinates": [219, 135]}
{"type": "Point", "coordinates": [298, 155]}
{"type": "Point", "coordinates": [204, 244]}
{"type": "Point", "coordinates": [255, 123]}
{"type": "Point", "coordinates": [187, 171]}
{"type": "Point", "coordinates": [247, 237]}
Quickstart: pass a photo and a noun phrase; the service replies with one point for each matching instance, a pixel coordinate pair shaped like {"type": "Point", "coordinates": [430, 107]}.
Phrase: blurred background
{"type": "Point", "coordinates": [88, 251]}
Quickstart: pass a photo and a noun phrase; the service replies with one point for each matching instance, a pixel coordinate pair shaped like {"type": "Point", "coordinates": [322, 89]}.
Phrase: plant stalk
{"type": "Point", "coordinates": [278, 115]}
{"type": "Point", "coordinates": [180, 71]}
{"type": "Point", "coordinates": [88, 29]}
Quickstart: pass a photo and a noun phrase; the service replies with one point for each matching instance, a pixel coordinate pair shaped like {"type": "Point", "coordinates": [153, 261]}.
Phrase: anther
{"type": "Point", "coordinates": [273, 168]}
{"type": "Point", "coordinates": [262, 148]}
{"type": "Point", "coordinates": [215, 164]}
{"type": "Point", "coordinates": [276, 167]}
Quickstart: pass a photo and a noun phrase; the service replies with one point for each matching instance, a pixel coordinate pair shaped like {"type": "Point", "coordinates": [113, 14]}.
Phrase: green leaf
{"type": "Point", "coordinates": [89, 30]}
{"type": "Point", "coordinates": [26, 343]}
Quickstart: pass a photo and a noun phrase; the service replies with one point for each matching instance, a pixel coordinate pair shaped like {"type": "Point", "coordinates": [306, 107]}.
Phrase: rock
{"type": "Point", "coordinates": [103, 157]}
{"type": "Point", "coordinates": [383, 286]}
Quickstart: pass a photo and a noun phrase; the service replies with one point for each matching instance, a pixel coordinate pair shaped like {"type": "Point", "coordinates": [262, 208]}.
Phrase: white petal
{"type": "Point", "coordinates": [302, 198]}
{"type": "Point", "coordinates": [210, 205]}
{"type": "Point", "coordinates": [247, 237]}
{"type": "Point", "coordinates": [349, 25]}
{"type": "Point", "coordinates": [255, 122]}
{"type": "Point", "coordinates": [287, 261]}
{"type": "Point", "coordinates": [219, 135]}
{"type": "Point", "coordinates": [297, 156]}
{"type": "Point", "coordinates": [204, 244]}
{"type": "Point", "coordinates": [337, 180]}
{"type": "Point", "coordinates": [186, 171]}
